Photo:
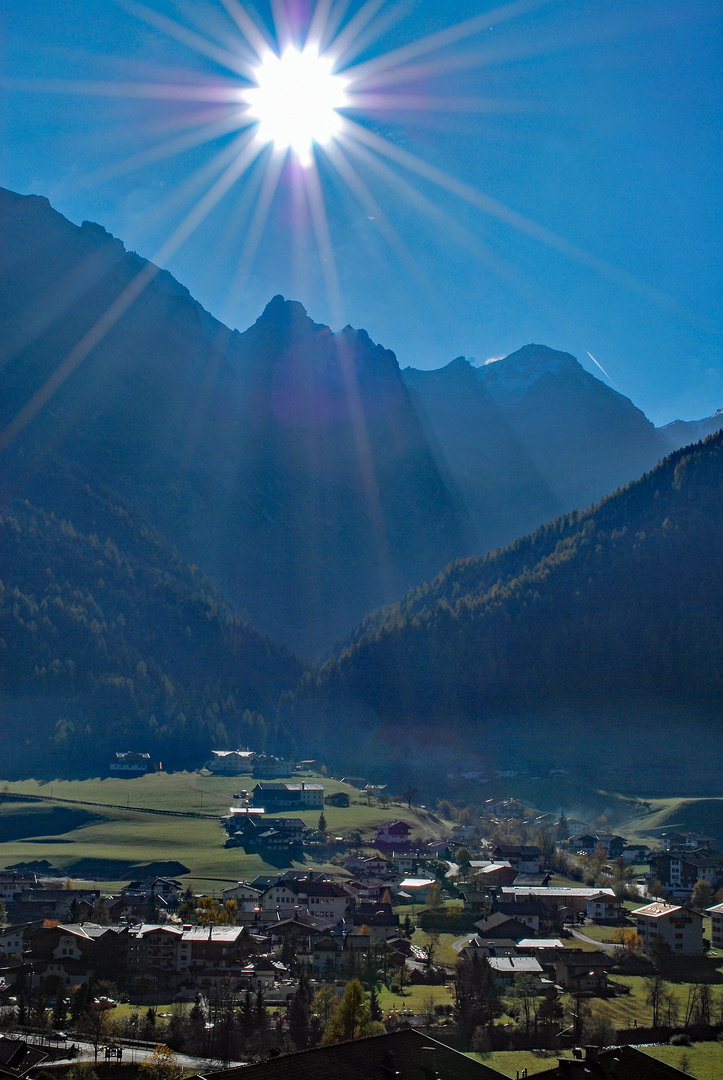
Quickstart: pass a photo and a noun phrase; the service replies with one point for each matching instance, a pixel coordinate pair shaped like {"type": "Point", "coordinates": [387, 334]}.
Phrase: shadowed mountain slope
{"type": "Point", "coordinates": [620, 606]}
{"type": "Point", "coordinates": [535, 435]}
{"type": "Point", "coordinates": [288, 462]}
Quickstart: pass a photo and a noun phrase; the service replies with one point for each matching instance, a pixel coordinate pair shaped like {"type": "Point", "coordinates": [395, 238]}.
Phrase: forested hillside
{"type": "Point", "coordinates": [109, 641]}
{"type": "Point", "coordinates": [622, 603]}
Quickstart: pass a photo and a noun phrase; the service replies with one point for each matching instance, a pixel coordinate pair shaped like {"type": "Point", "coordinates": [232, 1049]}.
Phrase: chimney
{"type": "Point", "coordinates": [389, 1071]}
{"type": "Point", "coordinates": [429, 1069]}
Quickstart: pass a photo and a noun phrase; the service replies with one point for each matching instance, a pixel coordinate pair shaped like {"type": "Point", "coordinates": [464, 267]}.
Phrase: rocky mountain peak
{"type": "Point", "coordinates": [509, 379]}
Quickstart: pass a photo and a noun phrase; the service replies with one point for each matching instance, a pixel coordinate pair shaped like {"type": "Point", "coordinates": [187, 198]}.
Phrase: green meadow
{"type": "Point", "coordinates": [704, 1061]}
{"type": "Point", "coordinates": [100, 830]}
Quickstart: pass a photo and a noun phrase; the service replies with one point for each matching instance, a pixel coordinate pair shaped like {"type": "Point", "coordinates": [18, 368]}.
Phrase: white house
{"type": "Point", "coordinates": [12, 941]}
{"type": "Point", "coordinates": [231, 762]}
{"type": "Point", "coordinates": [130, 764]}
{"type": "Point", "coordinates": [679, 927]}
{"type": "Point", "coordinates": [246, 896]}
{"type": "Point", "coordinates": [324, 899]}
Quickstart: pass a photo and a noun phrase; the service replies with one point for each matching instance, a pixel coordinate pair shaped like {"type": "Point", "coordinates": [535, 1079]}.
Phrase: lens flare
{"type": "Point", "coordinates": [296, 101]}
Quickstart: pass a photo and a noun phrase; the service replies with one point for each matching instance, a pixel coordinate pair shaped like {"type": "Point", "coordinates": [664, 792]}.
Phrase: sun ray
{"type": "Point", "coordinates": [249, 150]}
{"type": "Point", "coordinates": [130, 293]}
{"type": "Point", "coordinates": [253, 33]}
{"type": "Point", "coordinates": [318, 25]}
{"type": "Point", "coordinates": [427, 206]}
{"type": "Point", "coordinates": [282, 25]}
{"type": "Point", "coordinates": [200, 178]}
{"type": "Point", "coordinates": [441, 39]}
{"type": "Point", "coordinates": [255, 232]}
{"type": "Point", "coordinates": [505, 214]}
{"type": "Point", "coordinates": [376, 29]}
{"type": "Point", "coordinates": [320, 223]}
{"type": "Point", "coordinates": [376, 102]}
{"type": "Point", "coordinates": [198, 92]}
{"type": "Point", "coordinates": [236, 223]}
{"type": "Point", "coordinates": [346, 38]}
{"type": "Point", "coordinates": [369, 204]}
{"type": "Point", "coordinates": [364, 456]}
{"type": "Point", "coordinates": [203, 133]}
{"type": "Point", "coordinates": [200, 44]}
{"type": "Point", "coordinates": [334, 20]}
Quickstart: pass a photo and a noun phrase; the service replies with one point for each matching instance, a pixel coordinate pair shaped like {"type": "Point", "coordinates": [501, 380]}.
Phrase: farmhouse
{"type": "Point", "coordinates": [506, 967]}
{"type": "Point", "coordinates": [395, 834]}
{"type": "Point", "coordinates": [301, 796]}
{"type": "Point", "coordinates": [523, 858]}
{"type": "Point", "coordinates": [499, 925]}
{"type": "Point", "coordinates": [166, 889]}
{"type": "Point", "coordinates": [130, 764]}
{"type": "Point", "coordinates": [582, 972]}
{"type": "Point", "coordinates": [13, 882]}
{"type": "Point", "coordinates": [598, 904]}
{"type": "Point", "coordinates": [231, 762]}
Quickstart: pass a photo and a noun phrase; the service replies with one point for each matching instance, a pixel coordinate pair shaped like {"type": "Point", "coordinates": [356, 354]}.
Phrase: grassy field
{"type": "Point", "coordinates": [512, 1062]}
{"type": "Point", "coordinates": [445, 954]}
{"type": "Point", "coordinates": [702, 1060]}
{"type": "Point", "coordinates": [414, 998]}
{"type": "Point", "coordinates": [601, 933]}
{"type": "Point", "coordinates": [114, 840]}
{"type": "Point", "coordinates": [648, 817]}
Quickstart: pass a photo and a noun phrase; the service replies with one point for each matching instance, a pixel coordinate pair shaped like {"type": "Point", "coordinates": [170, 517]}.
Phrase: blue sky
{"type": "Point", "coordinates": [598, 125]}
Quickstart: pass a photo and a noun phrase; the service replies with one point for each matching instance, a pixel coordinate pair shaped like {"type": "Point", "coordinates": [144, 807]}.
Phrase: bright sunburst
{"type": "Point", "coordinates": [302, 95]}
{"type": "Point", "coordinates": [296, 101]}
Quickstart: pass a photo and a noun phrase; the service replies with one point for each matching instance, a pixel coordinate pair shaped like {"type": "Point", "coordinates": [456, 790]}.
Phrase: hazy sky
{"type": "Point", "coordinates": [553, 174]}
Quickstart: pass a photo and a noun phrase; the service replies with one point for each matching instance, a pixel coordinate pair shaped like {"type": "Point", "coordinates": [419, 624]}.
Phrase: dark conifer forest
{"type": "Point", "coordinates": [621, 604]}
{"type": "Point", "coordinates": [109, 640]}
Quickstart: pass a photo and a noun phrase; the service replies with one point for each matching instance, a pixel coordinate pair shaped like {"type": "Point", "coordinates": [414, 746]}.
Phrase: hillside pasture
{"type": "Point", "coordinates": [110, 830]}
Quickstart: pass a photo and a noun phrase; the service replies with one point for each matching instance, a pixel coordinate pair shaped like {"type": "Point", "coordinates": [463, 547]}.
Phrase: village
{"type": "Point", "coordinates": [513, 931]}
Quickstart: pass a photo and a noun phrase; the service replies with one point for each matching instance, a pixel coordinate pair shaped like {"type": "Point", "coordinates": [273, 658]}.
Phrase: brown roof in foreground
{"type": "Point", "coordinates": [401, 1053]}
{"type": "Point", "coordinates": [17, 1057]}
{"type": "Point", "coordinates": [617, 1063]}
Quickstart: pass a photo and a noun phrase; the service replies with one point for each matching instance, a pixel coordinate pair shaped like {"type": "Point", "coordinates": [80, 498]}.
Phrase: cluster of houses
{"type": "Point", "coordinates": [254, 826]}
{"type": "Point", "coordinates": [682, 859]}
{"type": "Point", "coordinates": [251, 762]}
{"type": "Point", "coordinates": [330, 928]}
{"type": "Point", "coordinates": [30, 898]}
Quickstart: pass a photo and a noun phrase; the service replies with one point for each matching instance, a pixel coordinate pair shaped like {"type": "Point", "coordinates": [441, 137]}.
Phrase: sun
{"type": "Point", "coordinates": [296, 100]}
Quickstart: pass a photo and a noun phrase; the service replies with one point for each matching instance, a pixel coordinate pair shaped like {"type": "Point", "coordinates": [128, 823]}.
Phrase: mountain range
{"type": "Point", "coordinates": [287, 462]}
{"type": "Point", "coordinates": [534, 435]}
{"type": "Point", "coordinates": [283, 482]}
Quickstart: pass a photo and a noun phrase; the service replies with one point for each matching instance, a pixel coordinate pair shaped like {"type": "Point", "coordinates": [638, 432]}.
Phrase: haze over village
{"type": "Point", "coordinates": [361, 541]}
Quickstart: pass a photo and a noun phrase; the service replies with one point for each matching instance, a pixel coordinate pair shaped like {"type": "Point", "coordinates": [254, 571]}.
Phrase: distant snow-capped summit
{"type": "Point", "coordinates": [508, 380]}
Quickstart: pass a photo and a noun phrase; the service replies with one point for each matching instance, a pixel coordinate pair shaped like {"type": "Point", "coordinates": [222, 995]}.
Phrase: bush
{"type": "Point", "coordinates": [681, 1039]}
{"type": "Point", "coordinates": [481, 1041]}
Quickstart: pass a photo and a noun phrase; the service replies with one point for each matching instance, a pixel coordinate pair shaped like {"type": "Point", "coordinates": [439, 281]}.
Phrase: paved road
{"type": "Point", "coordinates": [140, 1054]}
{"type": "Point", "coordinates": [606, 946]}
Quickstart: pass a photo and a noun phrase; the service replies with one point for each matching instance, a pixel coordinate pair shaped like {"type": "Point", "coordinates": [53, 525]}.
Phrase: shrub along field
{"type": "Point", "coordinates": [97, 830]}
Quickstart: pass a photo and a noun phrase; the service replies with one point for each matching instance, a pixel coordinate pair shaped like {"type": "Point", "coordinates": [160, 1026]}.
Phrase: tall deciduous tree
{"type": "Point", "coordinates": [351, 1018]}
